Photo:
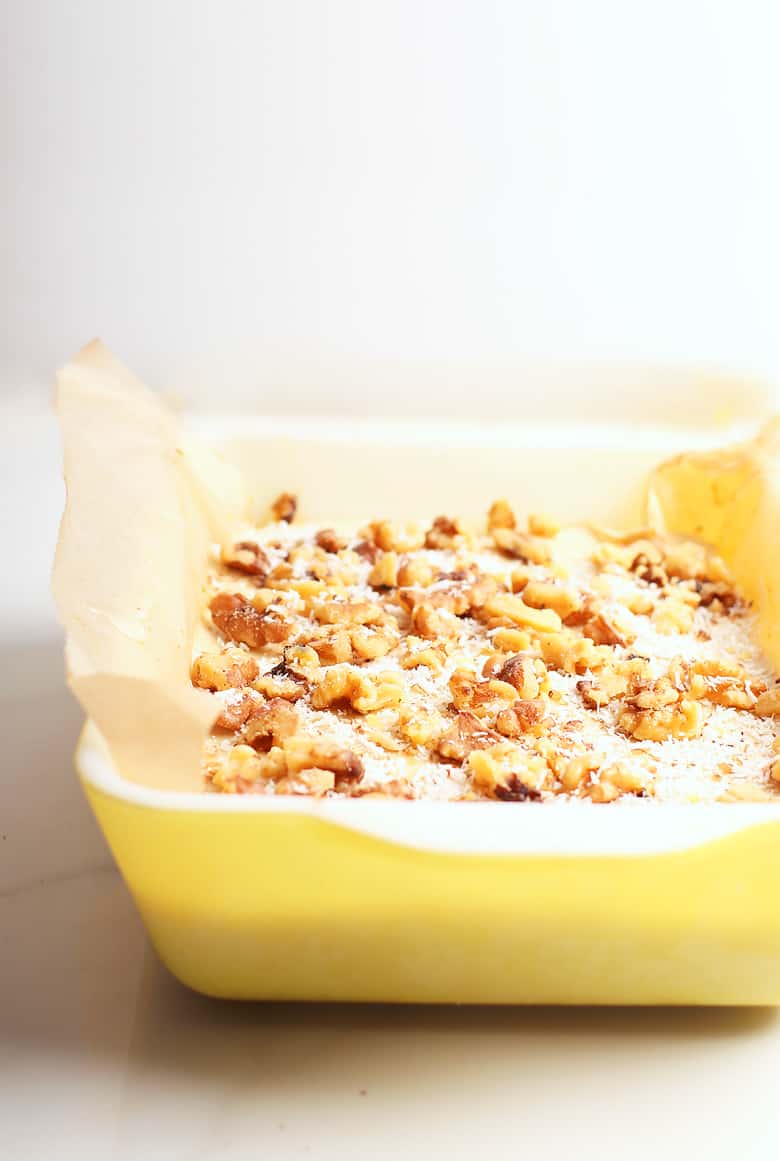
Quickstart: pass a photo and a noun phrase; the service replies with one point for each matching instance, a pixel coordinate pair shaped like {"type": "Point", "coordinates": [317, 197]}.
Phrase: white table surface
{"type": "Point", "coordinates": [103, 1054]}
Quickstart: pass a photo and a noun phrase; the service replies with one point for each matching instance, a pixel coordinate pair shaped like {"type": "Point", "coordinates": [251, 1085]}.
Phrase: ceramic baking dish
{"type": "Point", "coordinates": [289, 898]}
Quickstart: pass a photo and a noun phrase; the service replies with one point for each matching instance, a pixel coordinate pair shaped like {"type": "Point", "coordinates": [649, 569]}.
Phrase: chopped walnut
{"type": "Point", "coordinates": [280, 684]}
{"type": "Point", "coordinates": [302, 753]}
{"type": "Point", "coordinates": [547, 595]}
{"type": "Point", "coordinates": [508, 607]}
{"type": "Point", "coordinates": [480, 697]}
{"type": "Point", "coordinates": [235, 711]}
{"type": "Point", "coordinates": [332, 647]}
{"type": "Point", "coordinates": [238, 619]}
{"type": "Point", "coordinates": [329, 540]}
{"type": "Point", "coordinates": [522, 717]}
{"type": "Point", "coordinates": [384, 574]}
{"type": "Point", "coordinates": [414, 571]}
{"type": "Point", "coordinates": [569, 653]}
{"type": "Point", "coordinates": [723, 684]}
{"type": "Point", "coordinates": [768, 703]}
{"type": "Point", "coordinates": [521, 672]}
{"type": "Point", "coordinates": [228, 670]}
{"type": "Point", "coordinates": [512, 640]}
{"type": "Point", "coordinates": [364, 692]}
{"type": "Point", "coordinates": [419, 653]}
{"type": "Point", "coordinates": [430, 622]}
{"type": "Point", "coordinates": [444, 533]}
{"type": "Point", "coordinates": [284, 507]}
{"type": "Point", "coordinates": [680, 719]}
{"type": "Point", "coordinates": [392, 537]}
{"type": "Point", "coordinates": [246, 556]}
{"type": "Point", "coordinates": [503, 765]}
{"type": "Point", "coordinates": [236, 770]}
{"type": "Point", "coordinates": [313, 781]}
{"type": "Point", "coordinates": [501, 516]}
{"type": "Point", "coordinates": [521, 545]}
{"type": "Point", "coordinates": [419, 727]}
{"type": "Point", "coordinates": [609, 684]}
{"type": "Point", "coordinates": [673, 615]}
{"type": "Point", "coordinates": [367, 550]}
{"type": "Point", "coordinates": [540, 525]}
{"type": "Point", "coordinates": [348, 613]}
{"type": "Point", "coordinates": [506, 679]}
{"type": "Point", "coordinates": [466, 733]}
{"type": "Point", "coordinates": [269, 723]}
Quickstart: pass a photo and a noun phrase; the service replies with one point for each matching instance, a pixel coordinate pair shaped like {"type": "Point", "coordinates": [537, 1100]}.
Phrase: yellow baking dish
{"type": "Point", "coordinates": [274, 898]}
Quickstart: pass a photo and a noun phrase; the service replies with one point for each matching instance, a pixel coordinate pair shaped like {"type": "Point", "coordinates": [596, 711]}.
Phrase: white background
{"type": "Point", "coordinates": [289, 203]}
{"type": "Point", "coordinates": [239, 195]}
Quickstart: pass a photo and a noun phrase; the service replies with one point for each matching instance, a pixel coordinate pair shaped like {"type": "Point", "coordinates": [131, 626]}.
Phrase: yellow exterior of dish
{"type": "Point", "coordinates": [286, 906]}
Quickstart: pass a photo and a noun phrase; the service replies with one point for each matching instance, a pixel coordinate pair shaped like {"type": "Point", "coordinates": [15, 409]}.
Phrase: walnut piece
{"type": "Point", "coordinates": [521, 545]}
{"type": "Point", "coordinates": [284, 507]}
{"type": "Point", "coordinates": [512, 608]}
{"type": "Point", "coordinates": [500, 515]}
{"type": "Point", "coordinates": [548, 595]}
{"type": "Point", "coordinates": [302, 753]}
{"type": "Point", "coordinates": [247, 556]}
{"type": "Point", "coordinates": [521, 672]}
{"type": "Point", "coordinates": [466, 733]}
{"type": "Point", "coordinates": [363, 692]}
{"type": "Point", "coordinates": [269, 723]}
{"type": "Point", "coordinates": [230, 669]}
{"type": "Point", "coordinates": [329, 541]}
{"type": "Point", "coordinates": [384, 574]}
{"type": "Point", "coordinates": [238, 619]}
{"type": "Point", "coordinates": [443, 533]}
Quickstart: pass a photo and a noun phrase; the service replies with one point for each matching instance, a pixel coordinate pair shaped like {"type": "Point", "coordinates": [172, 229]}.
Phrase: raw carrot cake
{"type": "Point", "coordinates": [512, 663]}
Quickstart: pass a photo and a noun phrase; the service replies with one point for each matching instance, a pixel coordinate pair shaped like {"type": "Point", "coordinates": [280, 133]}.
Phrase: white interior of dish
{"type": "Point", "coordinates": [575, 470]}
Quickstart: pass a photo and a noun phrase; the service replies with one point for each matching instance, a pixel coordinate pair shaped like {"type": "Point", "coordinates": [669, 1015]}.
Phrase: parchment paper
{"type": "Point", "coordinates": [730, 498]}
{"type": "Point", "coordinates": [143, 507]}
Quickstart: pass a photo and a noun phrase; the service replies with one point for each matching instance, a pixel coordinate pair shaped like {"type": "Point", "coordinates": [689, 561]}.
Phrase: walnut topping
{"type": "Point", "coordinates": [391, 537]}
{"type": "Point", "coordinates": [302, 753]}
{"type": "Point", "coordinates": [227, 670]}
{"type": "Point", "coordinates": [443, 533]}
{"type": "Point", "coordinates": [238, 619]}
{"type": "Point", "coordinates": [466, 733]}
{"type": "Point", "coordinates": [432, 623]}
{"type": "Point", "coordinates": [683, 718]}
{"type": "Point", "coordinates": [499, 769]}
{"type": "Point", "coordinates": [329, 541]}
{"type": "Point", "coordinates": [284, 507]}
{"type": "Point", "coordinates": [521, 672]}
{"type": "Point", "coordinates": [246, 556]}
{"type": "Point", "coordinates": [505, 679]}
{"type": "Point", "coordinates": [348, 613]}
{"type": "Point", "coordinates": [364, 692]}
{"type": "Point", "coordinates": [508, 607]}
{"type": "Point", "coordinates": [417, 653]}
{"type": "Point", "coordinates": [501, 516]}
{"type": "Point", "coordinates": [512, 789]}
{"type": "Point", "coordinates": [420, 728]}
{"type": "Point", "coordinates": [768, 703]}
{"type": "Point", "coordinates": [541, 525]}
{"type": "Point", "coordinates": [384, 574]}
{"type": "Point", "coordinates": [269, 723]}
{"type": "Point", "coordinates": [366, 549]}
{"type": "Point", "coordinates": [481, 697]}
{"type": "Point", "coordinates": [521, 717]}
{"type": "Point", "coordinates": [414, 571]}
{"type": "Point", "coordinates": [548, 595]}
{"type": "Point", "coordinates": [521, 545]}
{"type": "Point", "coordinates": [236, 711]}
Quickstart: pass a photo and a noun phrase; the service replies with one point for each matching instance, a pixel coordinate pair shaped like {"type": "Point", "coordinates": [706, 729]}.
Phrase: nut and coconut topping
{"type": "Point", "coordinates": [525, 663]}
